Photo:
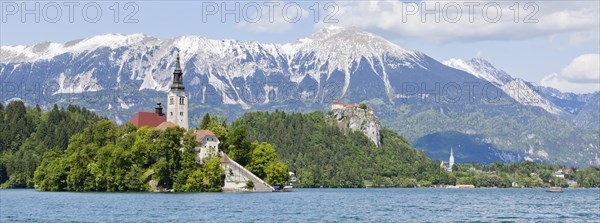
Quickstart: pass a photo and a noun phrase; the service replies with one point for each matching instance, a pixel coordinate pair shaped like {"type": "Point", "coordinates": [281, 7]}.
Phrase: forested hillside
{"type": "Point", "coordinates": [74, 149]}
{"type": "Point", "coordinates": [323, 155]}
{"type": "Point", "coordinates": [28, 135]}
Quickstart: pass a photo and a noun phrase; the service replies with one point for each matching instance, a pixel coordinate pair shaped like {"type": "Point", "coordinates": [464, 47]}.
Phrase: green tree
{"type": "Point", "coordinates": [261, 157]}
{"type": "Point", "coordinates": [239, 146]}
{"type": "Point", "coordinates": [362, 106]}
{"type": "Point", "coordinates": [209, 178]}
{"type": "Point", "coordinates": [205, 122]}
{"type": "Point", "coordinates": [276, 173]}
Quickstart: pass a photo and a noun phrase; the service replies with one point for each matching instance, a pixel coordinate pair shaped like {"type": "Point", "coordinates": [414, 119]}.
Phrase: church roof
{"type": "Point", "coordinates": [149, 119]}
{"type": "Point", "coordinates": [166, 125]}
{"type": "Point", "coordinates": [201, 134]}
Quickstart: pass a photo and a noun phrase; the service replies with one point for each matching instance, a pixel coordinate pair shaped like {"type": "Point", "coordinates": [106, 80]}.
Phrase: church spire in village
{"type": "Point", "coordinates": [451, 159]}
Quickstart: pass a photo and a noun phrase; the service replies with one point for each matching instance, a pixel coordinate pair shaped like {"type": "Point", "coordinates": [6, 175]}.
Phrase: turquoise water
{"type": "Point", "coordinates": [306, 205]}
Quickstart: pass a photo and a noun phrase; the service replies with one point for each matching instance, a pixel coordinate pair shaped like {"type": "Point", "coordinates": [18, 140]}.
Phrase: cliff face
{"type": "Point", "coordinates": [359, 120]}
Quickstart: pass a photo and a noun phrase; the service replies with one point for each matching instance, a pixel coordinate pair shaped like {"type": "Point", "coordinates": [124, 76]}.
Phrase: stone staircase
{"type": "Point", "coordinates": [235, 180]}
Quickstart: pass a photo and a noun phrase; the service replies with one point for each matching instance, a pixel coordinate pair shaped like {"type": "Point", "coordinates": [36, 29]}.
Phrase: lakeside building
{"type": "Point", "coordinates": [559, 174]}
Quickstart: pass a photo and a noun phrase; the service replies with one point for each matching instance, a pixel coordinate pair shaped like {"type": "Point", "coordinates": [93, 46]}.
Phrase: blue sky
{"type": "Point", "coordinates": [548, 47]}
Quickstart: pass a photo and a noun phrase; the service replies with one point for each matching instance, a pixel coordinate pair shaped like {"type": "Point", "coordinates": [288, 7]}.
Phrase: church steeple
{"type": "Point", "coordinates": [177, 77]}
{"type": "Point", "coordinates": [177, 98]}
{"type": "Point", "coordinates": [451, 159]}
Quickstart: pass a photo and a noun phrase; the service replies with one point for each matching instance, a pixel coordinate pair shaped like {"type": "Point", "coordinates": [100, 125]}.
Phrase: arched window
{"type": "Point", "coordinates": [171, 100]}
{"type": "Point", "coordinates": [181, 100]}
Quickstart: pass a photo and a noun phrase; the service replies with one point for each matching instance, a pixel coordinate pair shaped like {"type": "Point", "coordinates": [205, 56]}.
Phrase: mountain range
{"type": "Point", "coordinates": [411, 93]}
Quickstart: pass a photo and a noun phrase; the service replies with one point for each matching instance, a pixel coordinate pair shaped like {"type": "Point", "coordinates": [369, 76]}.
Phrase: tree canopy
{"type": "Point", "coordinates": [28, 136]}
{"type": "Point", "coordinates": [322, 155]}
{"type": "Point", "coordinates": [105, 157]}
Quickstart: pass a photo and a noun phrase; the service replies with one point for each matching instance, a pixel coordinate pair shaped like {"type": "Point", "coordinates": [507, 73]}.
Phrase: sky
{"type": "Point", "coordinates": [551, 43]}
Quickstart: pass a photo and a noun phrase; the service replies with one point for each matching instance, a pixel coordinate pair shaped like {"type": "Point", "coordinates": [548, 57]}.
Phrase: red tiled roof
{"type": "Point", "coordinates": [200, 134]}
{"type": "Point", "coordinates": [150, 119]}
{"type": "Point", "coordinates": [338, 103]}
{"type": "Point", "coordinates": [166, 125]}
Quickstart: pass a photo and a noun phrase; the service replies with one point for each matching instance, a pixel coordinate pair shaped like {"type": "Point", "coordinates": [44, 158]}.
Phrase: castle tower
{"type": "Point", "coordinates": [451, 159]}
{"type": "Point", "coordinates": [177, 99]}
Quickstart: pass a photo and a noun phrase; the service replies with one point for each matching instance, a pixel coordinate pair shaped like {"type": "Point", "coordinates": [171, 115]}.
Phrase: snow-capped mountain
{"type": "Point", "coordinates": [482, 69]}
{"type": "Point", "coordinates": [569, 102]}
{"type": "Point", "coordinates": [323, 67]}
{"type": "Point", "coordinates": [516, 88]}
{"type": "Point", "coordinates": [522, 92]}
{"type": "Point", "coordinates": [412, 93]}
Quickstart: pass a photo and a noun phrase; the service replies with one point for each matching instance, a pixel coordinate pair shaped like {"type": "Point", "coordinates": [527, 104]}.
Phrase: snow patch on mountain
{"type": "Point", "coordinates": [337, 48]}
{"type": "Point", "coordinates": [522, 93]}
{"type": "Point", "coordinates": [84, 82]}
{"type": "Point", "coordinates": [514, 87]}
{"type": "Point", "coordinates": [480, 68]}
{"type": "Point", "coordinates": [48, 50]}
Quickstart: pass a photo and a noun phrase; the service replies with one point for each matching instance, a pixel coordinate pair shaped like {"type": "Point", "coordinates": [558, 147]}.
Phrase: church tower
{"type": "Point", "coordinates": [451, 159]}
{"type": "Point", "coordinates": [177, 99]}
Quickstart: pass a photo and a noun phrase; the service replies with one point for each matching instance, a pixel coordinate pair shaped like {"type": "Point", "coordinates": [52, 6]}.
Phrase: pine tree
{"type": "Point", "coordinates": [239, 146]}
{"type": "Point", "coordinates": [205, 121]}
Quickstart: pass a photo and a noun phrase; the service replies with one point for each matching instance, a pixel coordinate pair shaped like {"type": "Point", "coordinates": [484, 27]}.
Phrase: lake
{"type": "Point", "coordinates": [306, 205]}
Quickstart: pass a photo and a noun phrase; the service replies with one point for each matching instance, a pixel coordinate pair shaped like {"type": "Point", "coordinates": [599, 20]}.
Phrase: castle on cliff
{"type": "Point", "coordinates": [340, 105]}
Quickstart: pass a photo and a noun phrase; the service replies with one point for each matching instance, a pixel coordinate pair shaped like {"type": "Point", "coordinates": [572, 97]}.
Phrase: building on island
{"type": "Point", "coordinates": [177, 109]}
{"type": "Point", "coordinates": [448, 165]}
{"type": "Point", "coordinates": [149, 119]}
{"type": "Point", "coordinates": [177, 115]}
{"type": "Point", "coordinates": [209, 144]}
{"type": "Point", "coordinates": [163, 126]}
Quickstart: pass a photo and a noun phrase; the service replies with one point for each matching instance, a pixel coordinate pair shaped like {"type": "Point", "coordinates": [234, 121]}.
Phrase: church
{"type": "Point", "coordinates": [177, 115]}
{"type": "Point", "coordinates": [448, 165]}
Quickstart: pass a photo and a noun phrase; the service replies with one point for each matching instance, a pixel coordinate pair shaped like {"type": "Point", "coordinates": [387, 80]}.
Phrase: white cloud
{"type": "Point", "coordinates": [272, 17]}
{"type": "Point", "coordinates": [455, 23]}
{"type": "Point", "coordinates": [580, 38]}
{"type": "Point", "coordinates": [582, 75]}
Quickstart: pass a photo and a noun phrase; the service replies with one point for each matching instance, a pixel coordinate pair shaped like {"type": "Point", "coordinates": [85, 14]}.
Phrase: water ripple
{"type": "Point", "coordinates": [306, 205]}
